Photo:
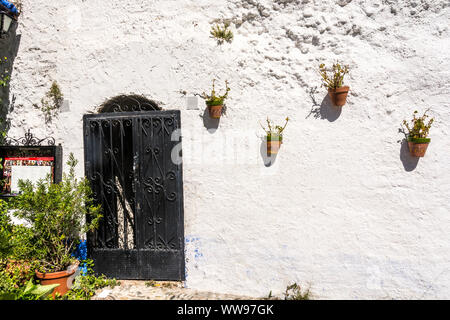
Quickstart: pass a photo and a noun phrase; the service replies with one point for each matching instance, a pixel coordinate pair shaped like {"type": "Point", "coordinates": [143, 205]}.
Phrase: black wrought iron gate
{"type": "Point", "coordinates": [131, 160]}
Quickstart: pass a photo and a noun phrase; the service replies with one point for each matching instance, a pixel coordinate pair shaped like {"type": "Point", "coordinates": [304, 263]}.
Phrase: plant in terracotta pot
{"type": "Point", "coordinates": [274, 136]}
{"type": "Point", "coordinates": [333, 80]}
{"type": "Point", "coordinates": [215, 103]}
{"type": "Point", "coordinates": [56, 214]}
{"type": "Point", "coordinates": [417, 134]}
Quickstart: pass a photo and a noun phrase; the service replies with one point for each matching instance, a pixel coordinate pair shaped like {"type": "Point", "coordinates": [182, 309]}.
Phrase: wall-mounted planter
{"type": "Point", "coordinates": [215, 102]}
{"type": "Point", "coordinates": [333, 79]}
{"type": "Point", "coordinates": [418, 146]}
{"type": "Point", "coordinates": [416, 132]}
{"type": "Point", "coordinates": [274, 136]}
{"type": "Point", "coordinates": [273, 144]}
{"type": "Point", "coordinates": [339, 95]}
{"type": "Point", "coordinates": [215, 111]}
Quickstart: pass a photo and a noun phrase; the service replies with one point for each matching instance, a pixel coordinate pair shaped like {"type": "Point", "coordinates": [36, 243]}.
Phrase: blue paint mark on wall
{"type": "Point", "coordinates": [192, 249]}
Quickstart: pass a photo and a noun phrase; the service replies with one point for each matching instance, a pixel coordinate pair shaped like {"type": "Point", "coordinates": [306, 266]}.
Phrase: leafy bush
{"type": "Point", "coordinates": [274, 132]}
{"type": "Point", "coordinates": [19, 271]}
{"type": "Point", "coordinates": [5, 231]}
{"type": "Point", "coordinates": [419, 129]}
{"type": "Point", "coordinates": [31, 291]}
{"type": "Point", "coordinates": [222, 34]}
{"type": "Point", "coordinates": [213, 100]}
{"type": "Point", "coordinates": [16, 281]}
{"type": "Point", "coordinates": [84, 287]}
{"type": "Point", "coordinates": [56, 213]}
{"type": "Point", "coordinates": [336, 80]}
{"type": "Point", "coordinates": [16, 241]}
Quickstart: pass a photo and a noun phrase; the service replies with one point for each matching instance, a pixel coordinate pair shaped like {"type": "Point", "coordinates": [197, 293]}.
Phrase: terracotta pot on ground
{"type": "Point", "coordinates": [418, 147]}
{"type": "Point", "coordinates": [63, 278]}
{"type": "Point", "coordinates": [273, 144]}
{"type": "Point", "coordinates": [339, 95]}
{"type": "Point", "coordinates": [215, 111]}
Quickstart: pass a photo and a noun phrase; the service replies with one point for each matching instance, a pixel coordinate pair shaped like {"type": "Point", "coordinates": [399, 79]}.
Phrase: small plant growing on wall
{"type": "Point", "coordinates": [417, 135]}
{"type": "Point", "coordinates": [215, 102]}
{"type": "Point", "coordinates": [4, 77]}
{"type": "Point", "coordinates": [295, 292]}
{"type": "Point", "coordinates": [333, 80]}
{"type": "Point", "coordinates": [222, 34]}
{"type": "Point", "coordinates": [274, 136]}
{"type": "Point", "coordinates": [52, 102]}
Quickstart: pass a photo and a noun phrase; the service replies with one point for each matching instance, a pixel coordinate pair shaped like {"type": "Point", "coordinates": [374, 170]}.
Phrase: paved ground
{"type": "Point", "coordinates": [159, 290]}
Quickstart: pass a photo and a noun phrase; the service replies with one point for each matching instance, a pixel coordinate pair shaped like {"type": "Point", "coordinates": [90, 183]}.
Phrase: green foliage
{"type": "Point", "coordinates": [222, 34]}
{"type": "Point", "coordinates": [51, 102]}
{"type": "Point", "coordinates": [84, 287]}
{"type": "Point", "coordinates": [18, 271]}
{"type": "Point", "coordinates": [4, 77]}
{"type": "Point", "coordinates": [16, 281]}
{"type": "Point", "coordinates": [31, 291]}
{"type": "Point", "coordinates": [294, 292]}
{"type": "Point", "coordinates": [336, 79]}
{"type": "Point", "coordinates": [16, 241]}
{"type": "Point", "coordinates": [56, 214]}
{"type": "Point", "coordinates": [274, 132]}
{"type": "Point", "coordinates": [418, 129]}
{"type": "Point", "coordinates": [213, 100]}
{"type": "Point", "coordinates": [5, 231]}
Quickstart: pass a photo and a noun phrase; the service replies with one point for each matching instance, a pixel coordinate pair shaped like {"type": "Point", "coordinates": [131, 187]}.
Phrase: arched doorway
{"type": "Point", "coordinates": [128, 160]}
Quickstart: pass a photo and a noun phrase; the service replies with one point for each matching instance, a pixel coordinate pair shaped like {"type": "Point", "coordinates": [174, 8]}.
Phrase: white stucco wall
{"type": "Point", "coordinates": [344, 207]}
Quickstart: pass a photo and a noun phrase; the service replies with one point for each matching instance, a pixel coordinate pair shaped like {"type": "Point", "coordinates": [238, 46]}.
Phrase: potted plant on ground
{"type": "Point", "coordinates": [274, 136]}
{"type": "Point", "coordinates": [334, 83]}
{"type": "Point", "coordinates": [417, 134]}
{"type": "Point", "coordinates": [56, 215]}
{"type": "Point", "coordinates": [215, 103]}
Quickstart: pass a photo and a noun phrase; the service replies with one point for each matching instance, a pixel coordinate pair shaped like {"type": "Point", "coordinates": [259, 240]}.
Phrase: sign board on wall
{"type": "Point", "coordinates": [32, 169]}
{"type": "Point", "coordinates": [28, 163]}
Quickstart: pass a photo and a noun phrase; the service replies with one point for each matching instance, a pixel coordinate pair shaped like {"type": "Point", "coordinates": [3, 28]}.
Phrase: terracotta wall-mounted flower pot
{"type": "Point", "coordinates": [418, 147]}
{"type": "Point", "coordinates": [273, 144]}
{"type": "Point", "coordinates": [63, 278]}
{"type": "Point", "coordinates": [215, 111]}
{"type": "Point", "coordinates": [339, 95]}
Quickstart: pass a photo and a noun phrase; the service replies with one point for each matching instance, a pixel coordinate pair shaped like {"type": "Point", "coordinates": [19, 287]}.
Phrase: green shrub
{"type": "Point", "coordinates": [5, 231]}
{"type": "Point", "coordinates": [84, 287]}
{"type": "Point", "coordinates": [56, 213]}
{"type": "Point", "coordinates": [31, 291]}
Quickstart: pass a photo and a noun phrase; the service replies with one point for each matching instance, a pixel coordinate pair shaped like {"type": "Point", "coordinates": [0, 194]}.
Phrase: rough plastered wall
{"type": "Point", "coordinates": [343, 207]}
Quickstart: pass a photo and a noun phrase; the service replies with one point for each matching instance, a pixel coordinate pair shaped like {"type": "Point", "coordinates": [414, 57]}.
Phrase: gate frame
{"type": "Point", "coordinates": [123, 255]}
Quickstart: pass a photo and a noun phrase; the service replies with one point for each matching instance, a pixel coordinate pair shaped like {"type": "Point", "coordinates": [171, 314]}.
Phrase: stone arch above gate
{"type": "Point", "coordinates": [128, 103]}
